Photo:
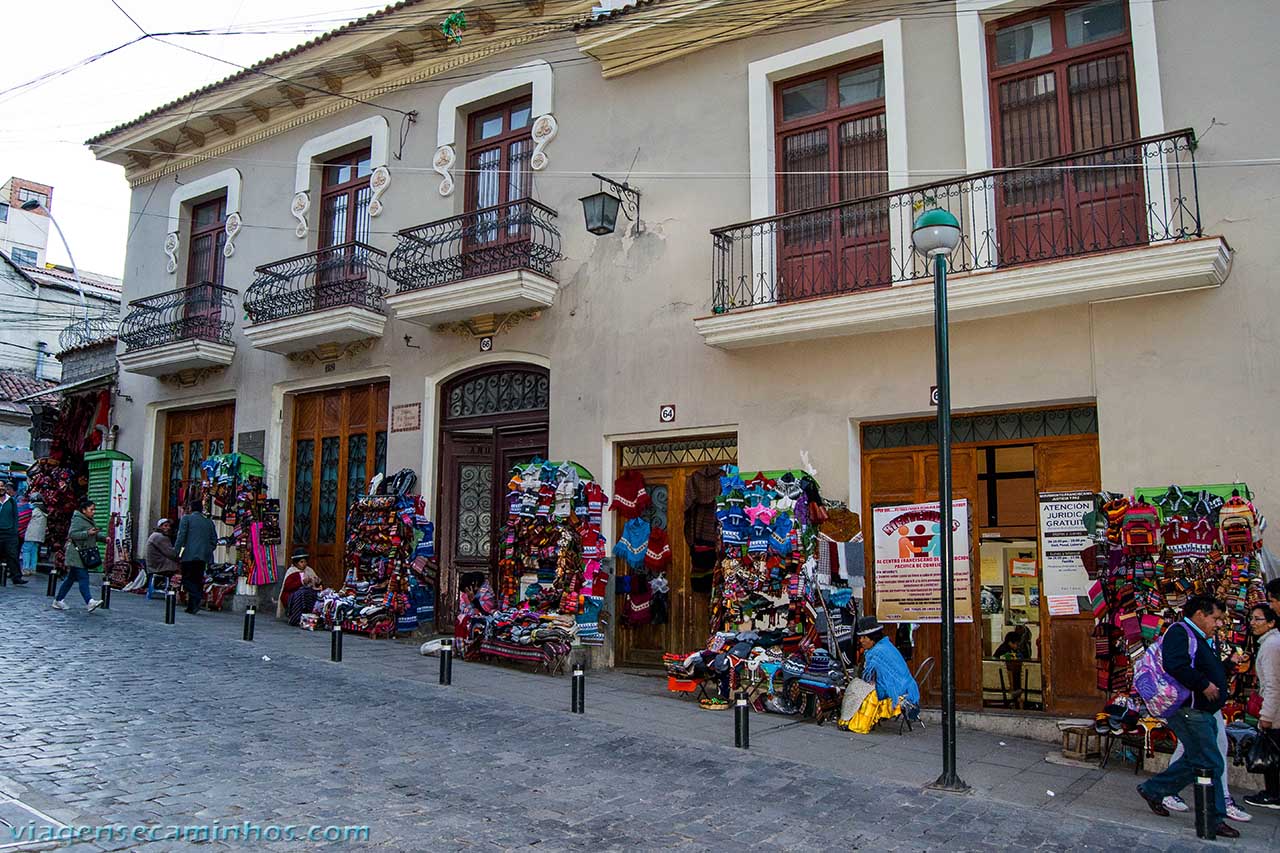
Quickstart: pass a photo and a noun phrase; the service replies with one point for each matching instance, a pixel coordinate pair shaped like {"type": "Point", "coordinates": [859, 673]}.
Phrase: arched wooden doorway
{"type": "Point", "coordinates": [492, 418]}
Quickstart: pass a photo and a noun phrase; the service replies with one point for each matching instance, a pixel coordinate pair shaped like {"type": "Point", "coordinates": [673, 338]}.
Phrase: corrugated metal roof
{"type": "Point", "coordinates": [255, 68]}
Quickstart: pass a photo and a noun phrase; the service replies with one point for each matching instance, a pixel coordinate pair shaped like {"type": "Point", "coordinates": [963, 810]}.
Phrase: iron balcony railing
{"type": "Point", "coordinates": [348, 275]}
{"type": "Point", "coordinates": [198, 312]}
{"type": "Point", "coordinates": [520, 235]}
{"type": "Point", "coordinates": [1115, 197]}
{"type": "Point", "coordinates": [88, 331]}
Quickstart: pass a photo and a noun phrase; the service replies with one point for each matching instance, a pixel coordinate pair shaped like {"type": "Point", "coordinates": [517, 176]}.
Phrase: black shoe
{"type": "Point", "coordinates": [20, 582]}
{"type": "Point", "coordinates": [1263, 800]}
{"type": "Point", "coordinates": [1226, 830]}
{"type": "Point", "coordinates": [1154, 804]}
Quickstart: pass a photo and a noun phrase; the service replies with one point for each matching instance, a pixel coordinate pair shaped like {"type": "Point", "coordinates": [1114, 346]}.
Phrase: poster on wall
{"type": "Point", "coordinates": [909, 563]}
{"type": "Point", "coordinates": [1062, 539]}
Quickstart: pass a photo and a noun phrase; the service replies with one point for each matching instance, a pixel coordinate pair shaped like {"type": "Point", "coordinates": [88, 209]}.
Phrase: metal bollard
{"type": "Point", "coordinates": [250, 616]}
{"type": "Point", "coordinates": [1205, 828]}
{"type": "Point", "coordinates": [53, 583]}
{"type": "Point", "coordinates": [741, 723]}
{"type": "Point", "coordinates": [106, 594]}
{"type": "Point", "coordinates": [4, 574]}
{"type": "Point", "coordinates": [446, 662]}
{"type": "Point", "coordinates": [335, 645]}
{"type": "Point", "coordinates": [170, 607]}
{"type": "Point", "coordinates": [578, 705]}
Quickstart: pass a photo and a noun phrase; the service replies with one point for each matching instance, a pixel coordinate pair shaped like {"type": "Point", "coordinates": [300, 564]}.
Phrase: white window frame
{"type": "Point", "coordinates": [229, 181]}
{"type": "Point", "coordinates": [537, 76]}
{"type": "Point", "coordinates": [374, 129]}
{"type": "Point", "coordinates": [972, 17]}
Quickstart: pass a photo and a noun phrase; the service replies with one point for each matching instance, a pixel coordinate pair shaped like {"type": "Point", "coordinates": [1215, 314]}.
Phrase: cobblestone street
{"type": "Point", "coordinates": [116, 718]}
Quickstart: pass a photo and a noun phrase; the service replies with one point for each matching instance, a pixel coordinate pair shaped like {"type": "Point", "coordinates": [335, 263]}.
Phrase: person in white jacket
{"type": "Point", "coordinates": [37, 529]}
{"type": "Point", "coordinates": [1262, 622]}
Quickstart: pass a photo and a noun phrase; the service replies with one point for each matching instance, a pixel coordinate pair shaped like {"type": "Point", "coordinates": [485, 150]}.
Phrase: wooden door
{"type": "Point", "coordinates": [192, 436]}
{"type": "Point", "coordinates": [339, 442]}
{"type": "Point", "coordinates": [896, 477]}
{"type": "Point", "coordinates": [1069, 668]}
{"type": "Point", "coordinates": [466, 501]}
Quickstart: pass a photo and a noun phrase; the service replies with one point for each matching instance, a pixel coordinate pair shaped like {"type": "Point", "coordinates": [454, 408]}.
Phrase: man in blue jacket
{"type": "Point", "coordinates": [1194, 724]}
{"type": "Point", "coordinates": [197, 537]}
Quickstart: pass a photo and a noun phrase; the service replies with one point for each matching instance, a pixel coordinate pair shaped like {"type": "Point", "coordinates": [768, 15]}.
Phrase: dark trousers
{"type": "Point", "coordinates": [1197, 731]}
{"type": "Point", "coordinates": [11, 555]}
{"type": "Point", "coordinates": [193, 583]}
{"type": "Point", "coordinates": [1272, 777]}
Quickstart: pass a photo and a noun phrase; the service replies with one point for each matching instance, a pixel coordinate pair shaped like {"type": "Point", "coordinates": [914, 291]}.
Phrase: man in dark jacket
{"type": "Point", "coordinates": [1194, 724]}
{"type": "Point", "coordinates": [197, 537]}
{"type": "Point", "coordinates": [10, 543]}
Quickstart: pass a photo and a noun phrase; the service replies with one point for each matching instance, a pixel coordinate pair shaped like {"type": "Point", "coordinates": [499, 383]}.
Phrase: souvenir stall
{"type": "Point", "coordinates": [551, 576]}
{"type": "Point", "coordinates": [389, 559]}
{"type": "Point", "coordinates": [233, 495]}
{"type": "Point", "coordinates": [1150, 552]}
{"type": "Point", "coordinates": [60, 487]}
{"type": "Point", "coordinates": [781, 612]}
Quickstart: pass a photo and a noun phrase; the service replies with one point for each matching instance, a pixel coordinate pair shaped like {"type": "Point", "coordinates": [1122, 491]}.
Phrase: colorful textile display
{"type": "Point", "coordinates": [250, 520]}
{"type": "Point", "coordinates": [1154, 550]}
{"type": "Point", "coordinates": [389, 560]}
{"type": "Point", "coordinates": [61, 488]}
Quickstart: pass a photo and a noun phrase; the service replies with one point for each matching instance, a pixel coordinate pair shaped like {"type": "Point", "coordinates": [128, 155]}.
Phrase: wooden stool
{"type": "Point", "coordinates": [1081, 743]}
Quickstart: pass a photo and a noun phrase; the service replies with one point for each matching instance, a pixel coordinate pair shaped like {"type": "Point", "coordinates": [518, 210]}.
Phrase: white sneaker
{"type": "Point", "coordinates": [1237, 814]}
{"type": "Point", "coordinates": [92, 604]}
{"type": "Point", "coordinates": [59, 605]}
{"type": "Point", "coordinates": [1175, 804]}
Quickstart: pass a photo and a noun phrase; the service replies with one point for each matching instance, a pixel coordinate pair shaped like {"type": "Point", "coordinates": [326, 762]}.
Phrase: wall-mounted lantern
{"type": "Point", "coordinates": [601, 208]}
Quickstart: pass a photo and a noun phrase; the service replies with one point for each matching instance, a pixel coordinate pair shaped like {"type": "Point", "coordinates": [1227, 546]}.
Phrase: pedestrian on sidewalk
{"type": "Point", "coordinates": [83, 533]}
{"type": "Point", "coordinates": [37, 529]}
{"type": "Point", "coordinates": [1194, 723]}
{"type": "Point", "coordinates": [162, 557]}
{"type": "Point", "coordinates": [1263, 623]}
{"type": "Point", "coordinates": [197, 537]}
{"type": "Point", "coordinates": [10, 543]}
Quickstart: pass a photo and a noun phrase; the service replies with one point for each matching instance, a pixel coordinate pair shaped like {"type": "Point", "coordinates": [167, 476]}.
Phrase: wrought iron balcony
{"type": "Point", "coordinates": [1135, 194]}
{"type": "Point", "coordinates": [521, 235]}
{"type": "Point", "coordinates": [88, 331]}
{"type": "Point", "coordinates": [493, 261]}
{"type": "Point", "coordinates": [350, 275]}
{"type": "Point", "coordinates": [200, 312]}
{"type": "Point", "coordinates": [179, 330]}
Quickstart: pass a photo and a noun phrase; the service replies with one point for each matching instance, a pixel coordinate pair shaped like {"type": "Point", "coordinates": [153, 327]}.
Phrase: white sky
{"type": "Point", "coordinates": [42, 130]}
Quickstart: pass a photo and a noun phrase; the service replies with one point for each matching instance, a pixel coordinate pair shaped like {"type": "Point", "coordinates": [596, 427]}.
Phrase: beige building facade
{"type": "Point", "coordinates": [1113, 293]}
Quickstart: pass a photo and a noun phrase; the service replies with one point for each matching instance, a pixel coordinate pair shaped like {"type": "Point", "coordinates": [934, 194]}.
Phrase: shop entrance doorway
{"type": "Point", "coordinates": [667, 468]}
{"type": "Point", "coordinates": [494, 418]}
{"type": "Point", "coordinates": [339, 442]}
{"type": "Point", "coordinates": [1000, 463]}
{"type": "Point", "coordinates": [190, 437]}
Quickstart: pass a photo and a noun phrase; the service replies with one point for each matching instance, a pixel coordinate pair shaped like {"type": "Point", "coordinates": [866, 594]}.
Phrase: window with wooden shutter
{"type": "Point", "coordinates": [1062, 84]}
{"type": "Point", "coordinates": [832, 148]}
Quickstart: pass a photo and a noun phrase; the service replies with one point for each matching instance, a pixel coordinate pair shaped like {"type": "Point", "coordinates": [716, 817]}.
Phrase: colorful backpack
{"type": "Point", "coordinates": [1238, 526]}
{"type": "Point", "coordinates": [1162, 693]}
{"type": "Point", "coordinates": [1140, 530]}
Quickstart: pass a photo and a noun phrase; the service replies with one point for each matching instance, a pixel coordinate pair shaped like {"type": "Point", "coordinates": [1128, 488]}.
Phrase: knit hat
{"type": "Point", "coordinates": [758, 538]}
{"type": "Point", "coordinates": [780, 535]}
{"type": "Point", "coordinates": [657, 555]}
{"type": "Point", "coordinates": [730, 480]}
{"type": "Point", "coordinates": [592, 545]}
{"type": "Point", "coordinates": [629, 497]}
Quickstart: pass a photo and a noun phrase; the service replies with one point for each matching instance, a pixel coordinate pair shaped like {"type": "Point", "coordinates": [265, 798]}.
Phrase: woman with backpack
{"type": "Point", "coordinates": [1263, 624]}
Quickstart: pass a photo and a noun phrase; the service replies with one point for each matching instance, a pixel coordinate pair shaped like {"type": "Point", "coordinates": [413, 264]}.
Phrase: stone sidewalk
{"type": "Point", "coordinates": [116, 717]}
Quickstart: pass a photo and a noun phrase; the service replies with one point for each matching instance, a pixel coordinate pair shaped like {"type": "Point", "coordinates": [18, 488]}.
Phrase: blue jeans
{"type": "Point", "coordinates": [75, 575]}
{"type": "Point", "coordinates": [1197, 731]}
{"type": "Point", "coordinates": [30, 555]}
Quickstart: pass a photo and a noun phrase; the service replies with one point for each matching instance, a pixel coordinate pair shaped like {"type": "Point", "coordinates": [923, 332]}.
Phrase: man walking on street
{"type": "Point", "coordinates": [197, 537]}
{"type": "Point", "coordinates": [37, 529]}
{"type": "Point", "coordinates": [10, 543]}
{"type": "Point", "coordinates": [1191, 659]}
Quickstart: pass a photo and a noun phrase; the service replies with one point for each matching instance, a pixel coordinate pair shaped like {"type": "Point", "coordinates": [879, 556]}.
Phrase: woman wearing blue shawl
{"type": "Point", "coordinates": [883, 665]}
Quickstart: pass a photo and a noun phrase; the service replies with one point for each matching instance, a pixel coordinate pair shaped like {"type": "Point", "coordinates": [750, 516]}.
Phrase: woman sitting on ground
{"type": "Point", "coordinates": [884, 666]}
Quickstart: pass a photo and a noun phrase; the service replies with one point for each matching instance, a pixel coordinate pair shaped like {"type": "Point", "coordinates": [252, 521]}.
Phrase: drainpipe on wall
{"type": "Point", "coordinates": [40, 354]}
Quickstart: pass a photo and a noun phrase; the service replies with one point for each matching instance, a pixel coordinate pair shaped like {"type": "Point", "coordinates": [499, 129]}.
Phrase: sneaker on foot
{"type": "Point", "coordinates": [1226, 830]}
{"type": "Point", "coordinates": [1153, 804]}
{"type": "Point", "coordinates": [93, 604]}
{"type": "Point", "coordinates": [1236, 813]}
{"type": "Point", "coordinates": [59, 605]}
{"type": "Point", "coordinates": [1262, 800]}
{"type": "Point", "coordinates": [1175, 803]}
